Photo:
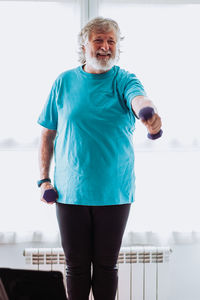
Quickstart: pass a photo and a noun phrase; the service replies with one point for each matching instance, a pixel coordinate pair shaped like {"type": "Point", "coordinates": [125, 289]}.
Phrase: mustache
{"type": "Point", "coordinates": [103, 53]}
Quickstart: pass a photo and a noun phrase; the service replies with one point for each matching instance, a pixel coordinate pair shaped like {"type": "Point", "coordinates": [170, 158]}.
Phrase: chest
{"type": "Point", "coordinates": [92, 101]}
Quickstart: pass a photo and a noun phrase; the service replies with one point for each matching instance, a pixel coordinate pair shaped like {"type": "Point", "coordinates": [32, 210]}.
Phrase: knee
{"type": "Point", "coordinates": [77, 265]}
{"type": "Point", "coordinates": [108, 263]}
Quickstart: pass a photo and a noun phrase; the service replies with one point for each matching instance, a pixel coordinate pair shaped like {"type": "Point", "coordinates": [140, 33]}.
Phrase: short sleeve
{"type": "Point", "coordinates": [49, 115]}
{"type": "Point", "coordinates": [133, 88]}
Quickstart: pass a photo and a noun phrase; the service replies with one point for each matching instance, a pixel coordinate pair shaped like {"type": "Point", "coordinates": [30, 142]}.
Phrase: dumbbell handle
{"type": "Point", "coordinates": [145, 114]}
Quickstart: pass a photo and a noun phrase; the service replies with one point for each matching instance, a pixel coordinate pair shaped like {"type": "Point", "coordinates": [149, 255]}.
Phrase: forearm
{"type": "Point", "coordinates": [140, 102]}
{"type": "Point", "coordinates": [46, 152]}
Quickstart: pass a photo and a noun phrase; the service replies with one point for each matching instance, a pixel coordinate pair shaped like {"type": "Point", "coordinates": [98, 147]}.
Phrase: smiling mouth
{"type": "Point", "coordinates": [103, 55]}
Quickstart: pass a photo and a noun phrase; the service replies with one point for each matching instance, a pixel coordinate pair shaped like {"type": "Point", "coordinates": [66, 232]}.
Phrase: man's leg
{"type": "Point", "coordinates": [75, 230]}
{"type": "Point", "coordinates": [109, 223]}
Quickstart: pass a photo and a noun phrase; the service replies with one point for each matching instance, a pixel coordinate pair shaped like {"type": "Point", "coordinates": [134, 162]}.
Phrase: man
{"type": "Point", "coordinates": [88, 122]}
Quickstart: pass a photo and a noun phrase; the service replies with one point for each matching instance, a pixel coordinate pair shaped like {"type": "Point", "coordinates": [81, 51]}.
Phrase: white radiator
{"type": "Point", "coordinates": [143, 271]}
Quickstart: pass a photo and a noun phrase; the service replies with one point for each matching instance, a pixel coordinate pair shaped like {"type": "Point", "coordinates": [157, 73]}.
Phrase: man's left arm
{"type": "Point", "coordinates": [154, 124]}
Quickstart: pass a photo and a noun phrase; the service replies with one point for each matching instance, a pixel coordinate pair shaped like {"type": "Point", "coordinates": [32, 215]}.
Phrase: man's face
{"type": "Point", "coordinates": [100, 51]}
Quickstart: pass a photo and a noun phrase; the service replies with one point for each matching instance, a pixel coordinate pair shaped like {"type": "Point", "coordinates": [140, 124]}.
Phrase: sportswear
{"type": "Point", "coordinates": [93, 149]}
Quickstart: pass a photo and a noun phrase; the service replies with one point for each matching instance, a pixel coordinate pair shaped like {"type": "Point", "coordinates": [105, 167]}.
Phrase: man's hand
{"type": "Point", "coordinates": [154, 124]}
{"type": "Point", "coordinates": [46, 186]}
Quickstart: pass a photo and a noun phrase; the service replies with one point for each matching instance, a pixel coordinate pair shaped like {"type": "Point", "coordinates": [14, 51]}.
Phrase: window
{"type": "Point", "coordinates": [38, 42]}
{"type": "Point", "coordinates": [161, 47]}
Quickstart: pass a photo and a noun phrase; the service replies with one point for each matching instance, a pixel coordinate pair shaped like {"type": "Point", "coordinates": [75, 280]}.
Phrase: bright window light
{"type": "Point", "coordinates": [38, 42]}
{"type": "Point", "coordinates": [162, 47]}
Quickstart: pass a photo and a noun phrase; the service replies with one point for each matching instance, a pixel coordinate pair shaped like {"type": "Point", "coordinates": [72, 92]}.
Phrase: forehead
{"type": "Point", "coordinates": [108, 35]}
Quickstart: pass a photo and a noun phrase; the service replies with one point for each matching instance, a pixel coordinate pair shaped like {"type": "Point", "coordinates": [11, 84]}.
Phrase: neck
{"type": "Point", "coordinates": [89, 69]}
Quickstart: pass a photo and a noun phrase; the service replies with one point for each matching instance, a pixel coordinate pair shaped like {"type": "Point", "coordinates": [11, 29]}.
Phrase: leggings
{"type": "Point", "coordinates": [91, 236]}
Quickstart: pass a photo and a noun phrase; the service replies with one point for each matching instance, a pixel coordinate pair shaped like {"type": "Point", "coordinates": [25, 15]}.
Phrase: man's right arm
{"type": "Point", "coordinates": [45, 157]}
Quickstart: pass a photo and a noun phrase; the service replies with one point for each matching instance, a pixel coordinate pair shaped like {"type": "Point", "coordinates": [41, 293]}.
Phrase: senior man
{"type": "Point", "coordinates": [88, 122]}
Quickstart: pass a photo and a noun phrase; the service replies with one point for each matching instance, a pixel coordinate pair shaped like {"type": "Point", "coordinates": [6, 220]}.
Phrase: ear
{"type": "Point", "coordinates": [83, 48]}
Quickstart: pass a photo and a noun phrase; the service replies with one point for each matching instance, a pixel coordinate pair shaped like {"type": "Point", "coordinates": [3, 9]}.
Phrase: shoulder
{"type": "Point", "coordinates": [124, 78]}
{"type": "Point", "coordinates": [124, 74]}
{"type": "Point", "coordinates": [66, 75]}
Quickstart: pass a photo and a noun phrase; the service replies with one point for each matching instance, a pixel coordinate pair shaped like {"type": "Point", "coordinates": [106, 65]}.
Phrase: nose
{"type": "Point", "coordinates": [105, 46]}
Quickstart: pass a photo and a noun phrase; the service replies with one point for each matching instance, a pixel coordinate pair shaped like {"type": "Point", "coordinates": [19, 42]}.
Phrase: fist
{"type": "Point", "coordinates": [46, 187]}
{"type": "Point", "coordinates": [154, 124]}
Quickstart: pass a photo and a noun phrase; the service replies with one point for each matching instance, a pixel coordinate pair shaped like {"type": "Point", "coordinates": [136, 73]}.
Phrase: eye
{"type": "Point", "coordinates": [111, 42]}
{"type": "Point", "coordinates": [98, 40]}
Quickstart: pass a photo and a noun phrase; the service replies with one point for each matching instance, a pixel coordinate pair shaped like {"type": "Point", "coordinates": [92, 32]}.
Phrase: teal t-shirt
{"type": "Point", "coordinates": [93, 148]}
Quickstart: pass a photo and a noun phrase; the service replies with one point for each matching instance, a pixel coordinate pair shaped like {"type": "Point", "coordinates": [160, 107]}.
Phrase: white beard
{"type": "Point", "coordinates": [101, 64]}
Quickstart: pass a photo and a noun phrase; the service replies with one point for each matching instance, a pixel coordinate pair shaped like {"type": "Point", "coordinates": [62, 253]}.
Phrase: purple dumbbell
{"type": "Point", "coordinates": [50, 195]}
{"type": "Point", "coordinates": [145, 114]}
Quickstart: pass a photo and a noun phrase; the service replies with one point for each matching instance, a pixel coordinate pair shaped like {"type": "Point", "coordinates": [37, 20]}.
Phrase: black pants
{"type": "Point", "coordinates": [92, 234]}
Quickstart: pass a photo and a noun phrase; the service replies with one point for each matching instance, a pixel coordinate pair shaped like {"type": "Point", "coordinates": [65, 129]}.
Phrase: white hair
{"type": "Point", "coordinates": [101, 25]}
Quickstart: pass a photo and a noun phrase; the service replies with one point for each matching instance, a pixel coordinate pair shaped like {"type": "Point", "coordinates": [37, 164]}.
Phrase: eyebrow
{"type": "Point", "coordinates": [99, 37]}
